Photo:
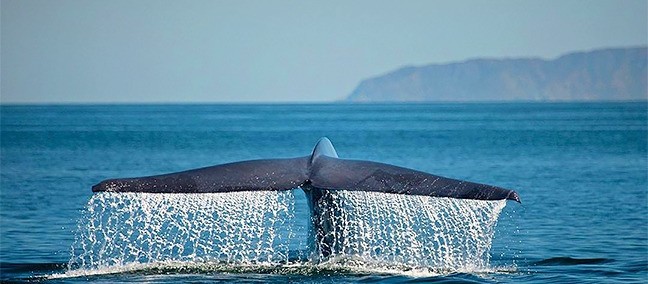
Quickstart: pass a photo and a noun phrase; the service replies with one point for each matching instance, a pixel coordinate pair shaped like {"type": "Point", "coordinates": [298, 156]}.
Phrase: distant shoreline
{"type": "Point", "coordinates": [614, 74]}
{"type": "Point", "coordinates": [320, 103]}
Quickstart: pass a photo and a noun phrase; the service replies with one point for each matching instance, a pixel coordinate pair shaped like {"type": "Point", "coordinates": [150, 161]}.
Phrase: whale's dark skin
{"type": "Point", "coordinates": [322, 169]}
{"type": "Point", "coordinates": [317, 174]}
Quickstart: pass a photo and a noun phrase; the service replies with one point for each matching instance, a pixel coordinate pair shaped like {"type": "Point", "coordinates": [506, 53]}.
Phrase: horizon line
{"type": "Point", "coordinates": [338, 102]}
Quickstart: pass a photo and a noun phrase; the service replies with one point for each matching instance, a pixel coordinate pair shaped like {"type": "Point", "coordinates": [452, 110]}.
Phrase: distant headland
{"type": "Point", "coordinates": [615, 74]}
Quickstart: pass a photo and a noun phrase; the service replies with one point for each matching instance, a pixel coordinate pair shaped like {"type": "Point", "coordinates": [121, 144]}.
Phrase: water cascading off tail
{"type": "Point", "coordinates": [238, 227]}
{"type": "Point", "coordinates": [261, 228]}
{"type": "Point", "coordinates": [407, 230]}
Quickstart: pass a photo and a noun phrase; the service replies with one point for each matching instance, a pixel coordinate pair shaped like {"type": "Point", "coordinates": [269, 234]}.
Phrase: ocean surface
{"type": "Point", "coordinates": [580, 169]}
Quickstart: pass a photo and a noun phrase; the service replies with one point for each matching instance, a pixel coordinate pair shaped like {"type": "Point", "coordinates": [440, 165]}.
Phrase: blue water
{"type": "Point", "coordinates": [580, 169]}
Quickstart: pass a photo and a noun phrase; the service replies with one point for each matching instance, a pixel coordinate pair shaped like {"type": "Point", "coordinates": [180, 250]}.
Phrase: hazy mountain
{"type": "Point", "coordinates": [603, 75]}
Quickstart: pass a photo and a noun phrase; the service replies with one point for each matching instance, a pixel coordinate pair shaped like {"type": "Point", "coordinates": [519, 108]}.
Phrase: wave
{"type": "Point", "coordinates": [17, 268]}
{"type": "Point", "coordinates": [343, 266]}
{"type": "Point", "coordinates": [571, 261]}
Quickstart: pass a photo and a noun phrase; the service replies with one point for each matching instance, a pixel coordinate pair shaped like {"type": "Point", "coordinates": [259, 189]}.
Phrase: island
{"type": "Point", "coordinates": [615, 74]}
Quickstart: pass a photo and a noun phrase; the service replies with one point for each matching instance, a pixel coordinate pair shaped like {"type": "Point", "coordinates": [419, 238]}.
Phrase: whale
{"type": "Point", "coordinates": [317, 174]}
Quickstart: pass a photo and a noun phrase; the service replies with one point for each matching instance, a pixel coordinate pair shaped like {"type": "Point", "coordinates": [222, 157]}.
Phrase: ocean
{"type": "Point", "coordinates": [579, 168]}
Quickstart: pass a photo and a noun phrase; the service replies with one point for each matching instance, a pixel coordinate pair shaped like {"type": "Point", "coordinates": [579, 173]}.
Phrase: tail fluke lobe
{"type": "Point", "coordinates": [332, 173]}
{"type": "Point", "coordinates": [270, 174]}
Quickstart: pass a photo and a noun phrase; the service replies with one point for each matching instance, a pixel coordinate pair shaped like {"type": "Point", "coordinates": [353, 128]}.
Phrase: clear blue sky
{"type": "Point", "coordinates": [276, 51]}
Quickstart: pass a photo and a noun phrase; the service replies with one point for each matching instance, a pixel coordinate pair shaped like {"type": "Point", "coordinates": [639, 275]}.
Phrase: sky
{"type": "Point", "coordinates": [157, 51]}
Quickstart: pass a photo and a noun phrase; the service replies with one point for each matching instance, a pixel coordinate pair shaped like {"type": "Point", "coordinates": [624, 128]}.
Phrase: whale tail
{"type": "Point", "coordinates": [322, 169]}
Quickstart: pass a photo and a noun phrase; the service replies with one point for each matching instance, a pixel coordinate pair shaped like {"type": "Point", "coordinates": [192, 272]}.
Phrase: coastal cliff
{"type": "Point", "coordinates": [602, 75]}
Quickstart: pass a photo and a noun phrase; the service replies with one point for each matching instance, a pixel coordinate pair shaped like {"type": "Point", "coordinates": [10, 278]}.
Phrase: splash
{"type": "Point", "coordinates": [410, 230]}
{"type": "Point", "coordinates": [371, 232]}
{"type": "Point", "coordinates": [240, 227]}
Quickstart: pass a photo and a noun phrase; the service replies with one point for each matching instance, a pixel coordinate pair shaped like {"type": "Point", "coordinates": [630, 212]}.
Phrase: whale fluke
{"type": "Point", "coordinates": [322, 169]}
